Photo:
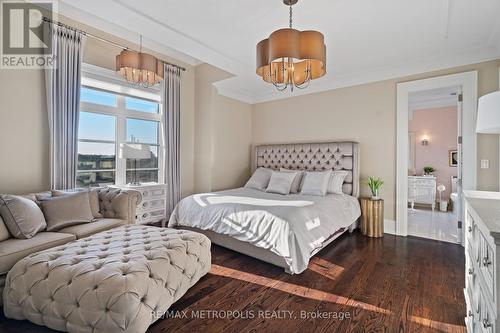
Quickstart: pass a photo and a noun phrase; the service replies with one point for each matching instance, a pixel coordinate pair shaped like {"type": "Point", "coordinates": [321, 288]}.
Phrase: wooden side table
{"type": "Point", "coordinates": [372, 217]}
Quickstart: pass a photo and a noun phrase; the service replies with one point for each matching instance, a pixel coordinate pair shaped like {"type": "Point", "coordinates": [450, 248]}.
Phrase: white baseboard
{"type": "Point", "coordinates": [390, 226]}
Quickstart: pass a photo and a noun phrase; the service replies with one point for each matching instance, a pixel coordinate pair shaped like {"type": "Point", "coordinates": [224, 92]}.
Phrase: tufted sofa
{"type": "Point", "coordinates": [117, 208]}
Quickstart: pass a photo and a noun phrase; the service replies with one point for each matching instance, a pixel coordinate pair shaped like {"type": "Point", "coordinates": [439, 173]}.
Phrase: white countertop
{"type": "Point", "coordinates": [487, 206]}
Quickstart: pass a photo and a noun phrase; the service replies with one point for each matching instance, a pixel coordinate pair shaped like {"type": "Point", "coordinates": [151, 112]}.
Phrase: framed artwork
{"type": "Point", "coordinates": [453, 158]}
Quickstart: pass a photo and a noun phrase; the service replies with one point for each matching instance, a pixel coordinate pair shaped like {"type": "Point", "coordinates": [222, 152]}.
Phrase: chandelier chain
{"type": "Point", "coordinates": [291, 19]}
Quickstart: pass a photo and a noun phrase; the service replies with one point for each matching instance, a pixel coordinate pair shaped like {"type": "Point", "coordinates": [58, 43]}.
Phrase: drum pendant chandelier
{"type": "Point", "coordinates": [291, 58]}
{"type": "Point", "coordinates": [139, 68]}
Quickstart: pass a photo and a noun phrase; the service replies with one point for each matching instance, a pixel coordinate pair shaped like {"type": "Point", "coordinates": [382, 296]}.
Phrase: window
{"type": "Point", "coordinates": [144, 132]}
{"type": "Point", "coordinates": [109, 119]}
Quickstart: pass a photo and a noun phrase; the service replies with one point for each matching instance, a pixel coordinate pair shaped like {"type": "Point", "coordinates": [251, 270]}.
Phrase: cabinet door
{"type": "Point", "coordinates": [425, 195]}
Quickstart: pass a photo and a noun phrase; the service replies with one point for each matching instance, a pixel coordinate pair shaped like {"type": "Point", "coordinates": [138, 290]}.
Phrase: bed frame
{"type": "Point", "coordinates": [317, 156]}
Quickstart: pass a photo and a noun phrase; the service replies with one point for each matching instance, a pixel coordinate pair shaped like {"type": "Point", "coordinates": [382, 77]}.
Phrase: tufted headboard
{"type": "Point", "coordinates": [314, 157]}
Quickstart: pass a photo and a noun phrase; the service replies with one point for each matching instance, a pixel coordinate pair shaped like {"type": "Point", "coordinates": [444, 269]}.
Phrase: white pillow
{"type": "Point", "coordinates": [316, 183]}
{"type": "Point", "coordinates": [281, 182]}
{"type": "Point", "coordinates": [296, 181]}
{"type": "Point", "coordinates": [260, 179]}
{"type": "Point", "coordinates": [336, 181]}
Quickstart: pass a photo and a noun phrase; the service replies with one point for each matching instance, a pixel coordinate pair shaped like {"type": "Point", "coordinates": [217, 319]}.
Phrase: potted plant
{"type": "Point", "coordinates": [428, 170]}
{"type": "Point", "coordinates": [375, 183]}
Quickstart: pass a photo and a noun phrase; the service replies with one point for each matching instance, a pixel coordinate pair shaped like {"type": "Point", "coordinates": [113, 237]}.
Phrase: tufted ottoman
{"type": "Point", "coordinates": [119, 280]}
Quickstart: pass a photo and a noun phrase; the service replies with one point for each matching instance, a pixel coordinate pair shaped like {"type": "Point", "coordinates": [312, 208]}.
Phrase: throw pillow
{"type": "Point", "coordinates": [296, 181]}
{"type": "Point", "coordinates": [316, 183]}
{"type": "Point", "coordinates": [93, 198]}
{"type": "Point", "coordinates": [4, 232]}
{"type": "Point", "coordinates": [67, 210]}
{"type": "Point", "coordinates": [23, 218]}
{"type": "Point", "coordinates": [336, 181]}
{"type": "Point", "coordinates": [281, 182]}
{"type": "Point", "coordinates": [260, 179]}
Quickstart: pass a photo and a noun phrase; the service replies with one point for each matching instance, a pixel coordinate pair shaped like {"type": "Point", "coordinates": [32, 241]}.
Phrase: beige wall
{"type": "Point", "coordinates": [223, 135]}
{"type": "Point", "coordinates": [367, 114]}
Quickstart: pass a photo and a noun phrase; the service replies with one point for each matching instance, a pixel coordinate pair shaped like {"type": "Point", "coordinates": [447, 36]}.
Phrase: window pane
{"type": "Point", "coordinates": [93, 156]}
{"type": "Point", "coordinates": [143, 176]}
{"type": "Point", "coordinates": [95, 126]}
{"type": "Point", "coordinates": [146, 163]}
{"type": "Point", "coordinates": [85, 179]}
{"type": "Point", "coordinates": [97, 97]}
{"type": "Point", "coordinates": [141, 105]}
{"type": "Point", "coordinates": [142, 131]}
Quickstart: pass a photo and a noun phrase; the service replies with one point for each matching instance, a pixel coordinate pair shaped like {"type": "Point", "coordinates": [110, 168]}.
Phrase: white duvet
{"type": "Point", "coordinates": [292, 226]}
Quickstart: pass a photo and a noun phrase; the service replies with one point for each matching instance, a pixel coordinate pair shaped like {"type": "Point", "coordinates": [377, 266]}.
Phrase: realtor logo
{"type": "Point", "coordinates": [26, 43]}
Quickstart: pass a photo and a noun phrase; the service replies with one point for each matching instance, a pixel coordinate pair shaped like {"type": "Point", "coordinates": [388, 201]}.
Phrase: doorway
{"type": "Point", "coordinates": [434, 165]}
{"type": "Point", "coordinates": [464, 84]}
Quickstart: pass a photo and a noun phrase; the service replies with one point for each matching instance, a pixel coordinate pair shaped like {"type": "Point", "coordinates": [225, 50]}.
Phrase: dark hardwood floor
{"type": "Point", "coordinates": [393, 284]}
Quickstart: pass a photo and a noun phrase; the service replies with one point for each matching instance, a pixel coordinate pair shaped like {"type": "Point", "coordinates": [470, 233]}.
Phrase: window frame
{"type": "Point", "coordinates": [97, 78]}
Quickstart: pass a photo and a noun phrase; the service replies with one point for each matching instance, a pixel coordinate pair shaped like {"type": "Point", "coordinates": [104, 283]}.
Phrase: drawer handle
{"type": "Point", "coordinates": [486, 261]}
{"type": "Point", "coordinates": [486, 323]}
{"type": "Point", "coordinates": [471, 271]}
{"type": "Point", "coordinates": [470, 229]}
{"type": "Point", "coordinates": [471, 314]}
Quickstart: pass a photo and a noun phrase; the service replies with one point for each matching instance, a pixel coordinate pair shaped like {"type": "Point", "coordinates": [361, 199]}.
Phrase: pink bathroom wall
{"type": "Point", "coordinates": [440, 126]}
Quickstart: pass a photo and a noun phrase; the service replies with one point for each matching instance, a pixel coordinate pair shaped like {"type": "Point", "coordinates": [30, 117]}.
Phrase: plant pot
{"type": "Point", "coordinates": [375, 195]}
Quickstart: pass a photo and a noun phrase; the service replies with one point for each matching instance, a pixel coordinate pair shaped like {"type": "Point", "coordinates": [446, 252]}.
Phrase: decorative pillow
{"type": "Point", "coordinates": [67, 210]}
{"type": "Point", "coordinates": [316, 183]}
{"type": "Point", "coordinates": [296, 181]}
{"type": "Point", "coordinates": [281, 182]}
{"type": "Point", "coordinates": [93, 198]}
{"type": "Point", "coordinates": [260, 179]}
{"type": "Point", "coordinates": [23, 218]}
{"type": "Point", "coordinates": [336, 181]}
{"type": "Point", "coordinates": [4, 232]}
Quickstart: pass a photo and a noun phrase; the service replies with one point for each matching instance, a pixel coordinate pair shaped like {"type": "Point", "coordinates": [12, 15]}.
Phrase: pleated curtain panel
{"type": "Point", "coordinates": [170, 98]}
{"type": "Point", "coordinates": [63, 103]}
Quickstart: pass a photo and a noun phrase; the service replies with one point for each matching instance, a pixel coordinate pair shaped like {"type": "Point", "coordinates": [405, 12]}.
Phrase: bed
{"type": "Point", "coordinates": [284, 230]}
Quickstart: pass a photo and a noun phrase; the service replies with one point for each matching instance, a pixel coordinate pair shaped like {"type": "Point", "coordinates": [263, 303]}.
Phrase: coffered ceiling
{"type": "Point", "coordinates": [366, 40]}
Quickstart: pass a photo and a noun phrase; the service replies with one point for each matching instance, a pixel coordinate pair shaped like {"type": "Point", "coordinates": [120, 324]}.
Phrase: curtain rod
{"type": "Point", "coordinates": [101, 39]}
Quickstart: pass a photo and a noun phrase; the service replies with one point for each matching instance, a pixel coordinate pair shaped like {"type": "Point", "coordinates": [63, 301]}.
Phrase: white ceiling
{"type": "Point", "coordinates": [366, 40]}
{"type": "Point", "coordinates": [434, 98]}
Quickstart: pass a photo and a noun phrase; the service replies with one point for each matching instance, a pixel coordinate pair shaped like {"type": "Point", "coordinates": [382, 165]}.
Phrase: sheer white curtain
{"type": "Point", "coordinates": [63, 104]}
{"type": "Point", "coordinates": [171, 96]}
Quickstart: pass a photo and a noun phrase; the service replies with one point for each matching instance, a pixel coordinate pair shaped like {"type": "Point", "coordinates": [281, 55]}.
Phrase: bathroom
{"type": "Point", "coordinates": [434, 164]}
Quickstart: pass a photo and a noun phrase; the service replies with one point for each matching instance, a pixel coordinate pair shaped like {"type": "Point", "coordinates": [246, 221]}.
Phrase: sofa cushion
{"type": "Point", "coordinates": [93, 198]}
{"type": "Point", "coordinates": [88, 229]}
{"type": "Point", "coordinates": [12, 250]}
{"type": "Point", "coordinates": [22, 216]}
{"type": "Point", "coordinates": [67, 210]}
{"type": "Point", "coordinates": [4, 232]}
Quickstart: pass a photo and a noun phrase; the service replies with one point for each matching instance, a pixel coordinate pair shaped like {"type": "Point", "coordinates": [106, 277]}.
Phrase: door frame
{"type": "Point", "coordinates": [468, 82]}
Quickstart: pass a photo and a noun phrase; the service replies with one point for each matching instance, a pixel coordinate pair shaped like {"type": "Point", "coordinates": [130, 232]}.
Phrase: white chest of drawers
{"type": "Point", "coordinates": [482, 245]}
{"type": "Point", "coordinates": [153, 206]}
{"type": "Point", "coordinates": [422, 190]}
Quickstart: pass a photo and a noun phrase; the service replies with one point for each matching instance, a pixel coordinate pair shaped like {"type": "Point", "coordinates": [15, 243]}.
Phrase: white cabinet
{"type": "Point", "coordinates": [482, 234]}
{"type": "Point", "coordinates": [153, 206]}
{"type": "Point", "coordinates": [422, 190]}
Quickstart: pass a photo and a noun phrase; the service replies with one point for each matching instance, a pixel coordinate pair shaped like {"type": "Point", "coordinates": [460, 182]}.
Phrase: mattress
{"type": "Point", "coordinates": [292, 226]}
